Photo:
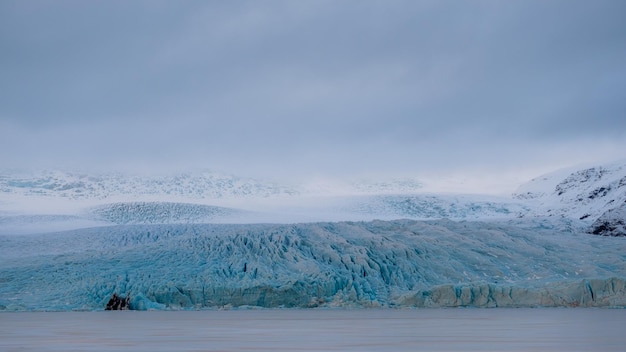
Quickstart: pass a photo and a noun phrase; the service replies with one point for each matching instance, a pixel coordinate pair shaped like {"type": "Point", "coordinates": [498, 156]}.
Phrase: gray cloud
{"type": "Point", "coordinates": [295, 87]}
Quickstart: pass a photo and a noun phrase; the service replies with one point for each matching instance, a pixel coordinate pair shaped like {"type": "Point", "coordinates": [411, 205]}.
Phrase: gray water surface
{"type": "Point", "coordinates": [317, 330]}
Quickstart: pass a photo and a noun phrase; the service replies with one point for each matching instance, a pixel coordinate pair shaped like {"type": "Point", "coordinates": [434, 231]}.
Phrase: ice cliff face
{"type": "Point", "coordinates": [356, 264]}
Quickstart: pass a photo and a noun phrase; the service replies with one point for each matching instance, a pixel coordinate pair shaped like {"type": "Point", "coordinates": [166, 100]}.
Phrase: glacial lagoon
{"type": "Point", "coordinates": [455, 329]}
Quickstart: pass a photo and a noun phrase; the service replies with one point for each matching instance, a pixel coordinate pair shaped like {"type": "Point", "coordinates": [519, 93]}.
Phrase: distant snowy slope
{"type": "Point", "coordinates": [70, 200]}
{"type": "Point", "coordinates": [354, 264]}
{"type": "Point", "coordinates": [284, 210]}
{"type": "Point", "coordinates": [199, 185]}
{"type": "Point", "coordinates": [189, 185]}
{"type": "Point", "coordinates": [585, 194]}
{"type": "Point", "coordinates": [591, 198]}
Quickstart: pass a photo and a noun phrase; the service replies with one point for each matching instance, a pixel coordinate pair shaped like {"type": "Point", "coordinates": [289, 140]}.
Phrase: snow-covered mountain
{"type": "Point", "coordinates": [596, 196]}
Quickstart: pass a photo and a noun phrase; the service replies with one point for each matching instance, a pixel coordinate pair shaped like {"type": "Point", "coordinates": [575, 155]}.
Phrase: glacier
{"type": "Point", "coordinates": [401, 263]}
{"type": "Point", "coordinates": [70, 241]}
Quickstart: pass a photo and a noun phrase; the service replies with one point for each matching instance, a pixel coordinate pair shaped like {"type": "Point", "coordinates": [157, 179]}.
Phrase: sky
{"type": "Point", "coordinates": [487, 92]}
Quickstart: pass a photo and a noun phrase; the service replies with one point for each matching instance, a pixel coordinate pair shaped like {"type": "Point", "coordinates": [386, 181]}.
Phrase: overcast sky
{"type": "Point", "coordinates": [301, 88]}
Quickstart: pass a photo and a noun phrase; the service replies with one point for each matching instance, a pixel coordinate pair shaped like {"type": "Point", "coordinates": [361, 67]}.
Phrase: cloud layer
{"type": "Point", "coordinates": [300, 87]}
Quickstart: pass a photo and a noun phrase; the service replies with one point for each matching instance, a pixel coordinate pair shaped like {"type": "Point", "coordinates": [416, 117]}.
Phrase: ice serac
{"type": "Point", "coordinates": [159, 213]}
{"type": "Point", "coordinates": [347, 264]}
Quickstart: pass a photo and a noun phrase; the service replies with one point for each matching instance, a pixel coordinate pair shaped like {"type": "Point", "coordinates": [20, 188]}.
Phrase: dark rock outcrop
{"type": "Point", "coordinates": [611, 223]}
{"type": "Point", "coordinates": [118, 303]}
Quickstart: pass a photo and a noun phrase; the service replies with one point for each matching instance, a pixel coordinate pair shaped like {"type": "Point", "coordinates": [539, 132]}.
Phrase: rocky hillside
{"type": "Point", "coordinates": [596, 196]}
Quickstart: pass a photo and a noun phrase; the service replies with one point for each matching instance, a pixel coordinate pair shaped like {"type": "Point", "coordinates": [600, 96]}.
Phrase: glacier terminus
{"type": "Point", "coordinates": [203, 241]}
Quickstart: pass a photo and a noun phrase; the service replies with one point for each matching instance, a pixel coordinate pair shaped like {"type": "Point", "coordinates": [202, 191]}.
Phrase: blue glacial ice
{"type": "Point", "coordinates": [400, 263]}
{"type": "Point", "coordinates": [69, 241]}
